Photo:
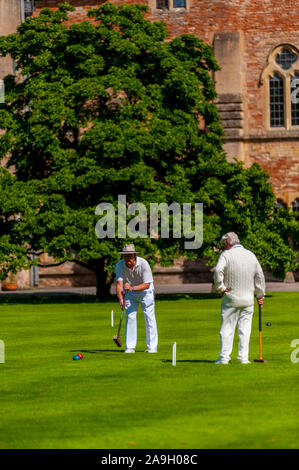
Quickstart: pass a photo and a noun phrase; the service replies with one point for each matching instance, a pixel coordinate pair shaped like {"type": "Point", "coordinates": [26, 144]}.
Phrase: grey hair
{"type": "Point", "coordinates": [231, 237]}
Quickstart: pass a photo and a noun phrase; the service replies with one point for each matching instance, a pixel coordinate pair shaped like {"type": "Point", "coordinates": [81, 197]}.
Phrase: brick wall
{"type": "Point", "coordinates": [262, 25]}
{"type": "Point", "coordinates": [256, 28]}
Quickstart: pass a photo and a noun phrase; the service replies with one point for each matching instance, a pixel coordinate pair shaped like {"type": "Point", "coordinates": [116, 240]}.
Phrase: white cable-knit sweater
{"type": "Point", "coordinates": [239, 271]}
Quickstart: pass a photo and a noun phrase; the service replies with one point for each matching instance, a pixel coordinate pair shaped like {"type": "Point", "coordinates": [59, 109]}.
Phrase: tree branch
{"type": "Point", "coordinates": [80, 263]}
{"type": "Point", "coordinates": [50, 265]}
{"type": "Point", "coordinates": [84, 265]}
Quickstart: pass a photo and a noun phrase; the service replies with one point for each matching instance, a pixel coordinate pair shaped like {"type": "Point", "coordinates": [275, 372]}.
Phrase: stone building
{"type": "Point", "coordinates": [256, 43]}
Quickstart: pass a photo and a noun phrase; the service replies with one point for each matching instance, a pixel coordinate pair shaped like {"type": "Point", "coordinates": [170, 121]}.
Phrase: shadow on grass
{"type": "Point", "coordinates": [96, 351]}
{"type": "Point", "coordinates": [61, 297]}
{"type": "Point", "coordinates": [58, 297]}
{"type": "Point", "coordinates": [198, 296]}
{"type": "Point", "coordinates": [201, 361]}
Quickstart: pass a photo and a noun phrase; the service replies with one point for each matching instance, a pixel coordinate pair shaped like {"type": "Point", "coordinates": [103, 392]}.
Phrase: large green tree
{"type": "Point", "coordinates": [111, 107]}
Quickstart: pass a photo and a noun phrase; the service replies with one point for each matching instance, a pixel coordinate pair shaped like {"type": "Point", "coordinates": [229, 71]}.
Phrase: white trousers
{"type": "Point", "coordinates": [230, 317]}
{"type": "Point", "coordinates": [147, 301]}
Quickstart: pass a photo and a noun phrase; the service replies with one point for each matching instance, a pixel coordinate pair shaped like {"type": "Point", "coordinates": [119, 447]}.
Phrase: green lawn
{"type": "Point", "coordinates": [111, 400]}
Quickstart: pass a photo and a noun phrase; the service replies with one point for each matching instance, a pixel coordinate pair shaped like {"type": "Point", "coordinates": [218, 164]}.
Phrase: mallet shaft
{"type": "Point", "coordinates": [261, 355]}
{"type": "Point", "coordinates": [260, 317]}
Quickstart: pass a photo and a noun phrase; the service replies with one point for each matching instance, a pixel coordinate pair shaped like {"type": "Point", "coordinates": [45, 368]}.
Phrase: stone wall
{"type": "Point", "coordinates": [10, 18]}
{"type": "Point", "coordinates": [66, 275]}
{"type": "Point", "coordinates": [70, 274]}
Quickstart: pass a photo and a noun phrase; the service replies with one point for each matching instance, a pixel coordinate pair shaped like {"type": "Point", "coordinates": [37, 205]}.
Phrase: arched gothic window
{"type": "Point", "coordinates": [281, 80]}
{"type": "Point", "coordinates": [280, 204]}
{"type": "Point", "coordinates": [295, 205]}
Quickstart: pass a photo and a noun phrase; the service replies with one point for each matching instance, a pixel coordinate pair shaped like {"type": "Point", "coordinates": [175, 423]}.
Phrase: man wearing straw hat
{"type": "Point", "coordinates": [134, 275]}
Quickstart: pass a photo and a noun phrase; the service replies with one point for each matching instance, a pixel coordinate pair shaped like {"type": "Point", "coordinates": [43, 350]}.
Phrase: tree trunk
{"type": "Point", "coordinates": [103, 280]}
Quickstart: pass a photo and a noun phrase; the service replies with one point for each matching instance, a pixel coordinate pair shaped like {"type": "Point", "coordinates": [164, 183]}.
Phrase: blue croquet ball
{"type": "Point", "coordinates": [268, 324]}
{"type": "Point", "coordinates": [76, 358]}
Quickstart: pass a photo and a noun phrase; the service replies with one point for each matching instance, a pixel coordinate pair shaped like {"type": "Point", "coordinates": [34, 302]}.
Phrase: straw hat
{"type": "Point", "coordinates": [128, 250]}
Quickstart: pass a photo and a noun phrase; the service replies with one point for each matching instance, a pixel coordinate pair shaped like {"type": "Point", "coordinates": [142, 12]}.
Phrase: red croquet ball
{"type": "Point", "coordinates": [80, 355]}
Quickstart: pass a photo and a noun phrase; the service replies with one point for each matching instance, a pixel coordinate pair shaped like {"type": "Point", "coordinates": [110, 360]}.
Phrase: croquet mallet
{"type": "Point", "coordinates": [116, 337]}
{"type": "Point", "coordinates": [260, 330]}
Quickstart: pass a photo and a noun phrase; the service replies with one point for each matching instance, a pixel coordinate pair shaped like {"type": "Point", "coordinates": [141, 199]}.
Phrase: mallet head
{"type": "Point", "coordinates": [117, 341]}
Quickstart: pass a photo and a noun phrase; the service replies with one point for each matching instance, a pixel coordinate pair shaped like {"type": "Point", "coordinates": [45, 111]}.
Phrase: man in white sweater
{"type": "Point", "coordinates": [237, 276]}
